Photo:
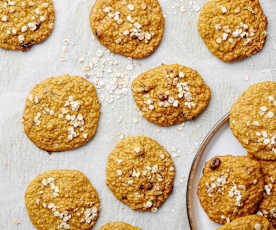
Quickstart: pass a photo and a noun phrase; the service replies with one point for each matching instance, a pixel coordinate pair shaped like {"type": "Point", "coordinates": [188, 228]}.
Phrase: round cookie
{"type": "Point", "coordinates": [132, 28]}
{"type": "Point", "coordinates": [252, 222]}
{"type": "Point", "coordinates": [61, 113]}
{"type": "Point", "coordinates": [170, 94]}
{"type": "Point", "coordinates": [140, 173]}
{"type": "Point", "coordinates": [231, 187]}
{"type": "Point", "coordinates": [24, 23]}
{"type": "Point", "coordinates": [253, 120]}
{"type": "Point", "coordinates": [267, 207]}
{"type": "Point", "coordinates": [233, 29]}
{"type": "Point", "coordinates": [118, 226]}
{"type": "Point", "coordinates": [62, 199]}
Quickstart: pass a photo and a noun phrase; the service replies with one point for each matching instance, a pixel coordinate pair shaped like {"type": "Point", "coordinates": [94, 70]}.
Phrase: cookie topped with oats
{"type": "Point", "coordinates": [233, 29]}
{"type": "Point", "coordinates": [24, 23]}
{"type": "Point", "coordinates": [230, 187]}
{"type": "Point", "coordinates": [170, 94]}
{"type": "Point", "coordinates": [61, 113]}
{"type": "Point", "coordinates": [253, 120]}
{"type": "Point", "coordinates": [251, 222]}
{"type": "Point", "coordinates": [267, 207]}
{"type": "Point", "coordinates": [132, 28]}
{"type": "Point", "coordinates": [118, 226]}
{"type": "Point", "coordinates": [62, 199]}
{"type": "Point", "coordinates": [140, 173]}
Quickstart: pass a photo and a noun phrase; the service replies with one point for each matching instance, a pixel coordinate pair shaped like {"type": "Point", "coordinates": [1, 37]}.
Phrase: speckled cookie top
{"type": "Point", "coordinates": [253, 120]}
{"type": "Point", "coordinates": [140, 173]}
{"type": "Point", "coordinates": [133, 28]}
{"type": "Point", "coordinates": [252, 222]}
{"type": "Point", "coordinates": [233, 30]}
{"type": "Point", "coordinates": [231, 187]}
{"type": "Point", "coordinates": [24, 23]}
{"type": "Point", "coordinates": [61, 113]}
{"type": "Point", "coordinates": [62, 199]}
{"type": "Point", "coordinates": [267, 207]}
{"type": "Point", "coordinates": [170, 94]}
{"type": "Point", "coordinates": [118, 226]}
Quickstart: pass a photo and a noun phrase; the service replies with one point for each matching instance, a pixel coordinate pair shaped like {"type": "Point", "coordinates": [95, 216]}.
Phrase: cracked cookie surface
{"type": "Point", "coordinates": [24, 23]}
{"type": "Point", "coordinates": [62, 199]}
{"type": "Point", "coordinates": [61, 113]}
{"type": "Point", "coordinates": [251, 222]}
{"type": "Point", "coordinates": [253, 120]}
{"type": "Point", "coordinates": [140, 173]}
{"type": "Point", "coordinates": [170, 94]}
{"type": "Point", "coordinates": [230, 187]}
{"type": "Point", "coordinates": [118, 226]}
{"type": "Point", "coordinates": [233, 30]}
{"type": "Point", "coordinates": [127, 27]}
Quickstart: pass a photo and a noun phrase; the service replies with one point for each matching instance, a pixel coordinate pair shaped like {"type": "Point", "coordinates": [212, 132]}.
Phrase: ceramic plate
{"type": "Point", "coordinates": [219, 141]}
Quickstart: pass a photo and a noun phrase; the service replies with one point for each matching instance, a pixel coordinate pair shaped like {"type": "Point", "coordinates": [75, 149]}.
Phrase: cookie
{"type": "Point", "coordinates": [170, 94]}
{"type": "Point", "coordinates": [24, 23]}
{"type": "Point", "coordinates": [233, 29]}
{"type": "Point", "coordinates": [132, 28]}
{"type": "Point", "coordinates": [61, 113]}
{"type": "Point", "coordinates": [118, 226]}
{"type": "Point", "coordinates": [230, 187]}
{"type": "Point", "coordinates": [140, 173]}
{"type": "Point", "coordinates": [253, 120]}
{"type": "Point", "coordinates": [62, 199]}
{"type": "Point", "coordinates": [252, 222]}
{"type": "Point", "coordinates": [267, 207]}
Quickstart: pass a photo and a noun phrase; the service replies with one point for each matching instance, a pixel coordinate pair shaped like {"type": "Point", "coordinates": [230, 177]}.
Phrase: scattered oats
{"type": "Point", "coordinates": [119, 172]}
{"type": "Point", "coordinates": [130, 7]}
{"type": "Point", "coordinates": [270, 114]}
{"type": "Point", "coordinates": [21, 38]}
{"type": "Point", "coordinates": [258, 227]}
{"type": "Point", "coordinates": [148, 204]}
{"type": "Point", "coordinates": [263, 108]}
{"type": "Point", "coordinates": [223, 9]}
{"type": "Point", "coordinates": [4, 18]}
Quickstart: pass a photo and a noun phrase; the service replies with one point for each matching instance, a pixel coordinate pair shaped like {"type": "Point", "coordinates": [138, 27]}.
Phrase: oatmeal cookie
{"type": "Point", "coordinates": [118, 226]}
{"type": "Point", "coordinates": [140, 173]}
{"type": "Point", "coordinates": [231, 187]}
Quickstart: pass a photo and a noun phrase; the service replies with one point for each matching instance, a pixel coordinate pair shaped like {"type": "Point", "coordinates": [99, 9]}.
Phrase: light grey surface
{"type": "Point", "coordinates": [21, 161]}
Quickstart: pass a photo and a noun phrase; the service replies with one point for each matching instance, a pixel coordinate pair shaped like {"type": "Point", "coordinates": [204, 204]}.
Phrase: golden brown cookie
{"type": "Point", "coordinates": [132, 28]}
{"type": "Point", "coordinates": [140, 173]}
{"type": "Point", "coordinates": [62, 199]}
{"type": "Point", "coordinates": [61, 113]}
{"type": "Point", "coordinates": [118, 226]}
{"type": "Point", "coordinates": [267, 207]}
{"type": "Point", "coordinates": [231, 187]}
{"type": "Point", "coordinates": [24, 23]}
{"type": "Point", "coordinates": [170, 94]}
{"type": "Point", "coordinates": [253, 120]}
{"type": "Point", "coordinates": [233, 29]}
{"type": "Point", "coordinates": [252, 222]}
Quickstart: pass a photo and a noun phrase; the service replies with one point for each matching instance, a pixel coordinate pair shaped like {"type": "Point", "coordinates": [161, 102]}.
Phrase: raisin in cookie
{"type": "Point", "coordinates": [61, 113]}
{"type": "Point", "coordinates": [62, 199]}
{"type": "Point", "coordinates": [170, 94]}
{"type": "Point", "coordinates": [118, 226]}
{"type": "Point", "coordinates": [252, 222]}
{"type": "Point", "coordinates": [231, 187]}
{"type": "Point", "coordinates": [24, 23]}
{"type": "Point", "coordinates": [253, 120]}
{"type": "Point", "coordinates": [267, 207]}
{"type": "Point", "coordinates": [132, 28]}
{"type": "Point", "coordinates": [233, 29]}
{"type": "Point", "coordinates": [140, 173]}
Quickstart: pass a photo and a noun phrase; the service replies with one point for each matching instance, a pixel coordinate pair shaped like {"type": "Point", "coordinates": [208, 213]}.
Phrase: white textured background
{"type": "Point", "coordinates": [21, 161]}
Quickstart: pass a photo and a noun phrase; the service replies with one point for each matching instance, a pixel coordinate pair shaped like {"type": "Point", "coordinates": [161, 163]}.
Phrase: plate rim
{"type": "Point", "coordinates": [195, 163]}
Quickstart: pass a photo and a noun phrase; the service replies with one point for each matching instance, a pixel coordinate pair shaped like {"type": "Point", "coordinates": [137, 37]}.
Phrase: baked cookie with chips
{"type": "Point", "coordinates": [140, 173]}
{"type": "Point", "coordinates": [253, 120]}
{"type": "Point", "coordinates": [170, 94]}
{"type": "Point", "coordinates": [118, 226]}
{"type": "Point", "coordinates": [24, 23]}
{"type": "Point", "coordinates": [62, 199]}
{"type": "Point", "coordinates": [230, 187]}
{"type": "Point", "coordinates": [233, 29]}
{"type": "Point", "coordinates": [251, 222]}
{"type": "Point", "coordinates": [132, 28]}
{"type": "Point", "coordinates": [61, 113]}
